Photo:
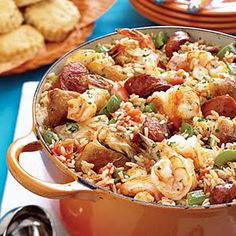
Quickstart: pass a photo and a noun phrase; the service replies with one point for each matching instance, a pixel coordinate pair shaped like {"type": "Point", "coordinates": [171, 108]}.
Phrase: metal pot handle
{"type": "Point", "coordinates": [35, 185]}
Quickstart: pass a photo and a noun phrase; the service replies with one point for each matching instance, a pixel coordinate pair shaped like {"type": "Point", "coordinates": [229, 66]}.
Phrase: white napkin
{"type": "Point", "coordinates": [14, 194]}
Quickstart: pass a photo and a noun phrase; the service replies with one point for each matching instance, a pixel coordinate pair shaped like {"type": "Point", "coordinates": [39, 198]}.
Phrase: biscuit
{"type": "Point", "coordinates": [10, 16]}
{"type": "Point", "coordinates": [23, 3]}
{"type": "Point", "coordinates": [21, 44]}
{"type": "Point", "coordinates": [53, 18]}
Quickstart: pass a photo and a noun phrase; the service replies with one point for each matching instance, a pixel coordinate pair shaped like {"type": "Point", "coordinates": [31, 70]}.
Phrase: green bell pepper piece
{"type": "Point", "coordinates": [72, 127]}
{"type": "Point", "coordinates": [112, 121]}
{"type": "Point", "coordinates": [224, 157]}
{"type": "Point", "coordinates": [196, 197]}
{"type": "Point", "coordinates": [112, 105]}
{"type": "Point", "coordinates": [228, 48]}
{"type": "Point", "coordinates": [160, 39]}
{"type": "Point", "coordinates": [101, 49]}
{"type": "Point", "coordinates": [151, 107]}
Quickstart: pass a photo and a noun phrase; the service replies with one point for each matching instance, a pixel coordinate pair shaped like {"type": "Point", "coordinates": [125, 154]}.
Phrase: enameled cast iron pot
{"type": "Point", "coordinates": [87, 209]}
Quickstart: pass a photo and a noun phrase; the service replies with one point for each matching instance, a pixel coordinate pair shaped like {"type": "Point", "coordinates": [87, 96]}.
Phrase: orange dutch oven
{"type": "Point", "coordinates": [87, 209]}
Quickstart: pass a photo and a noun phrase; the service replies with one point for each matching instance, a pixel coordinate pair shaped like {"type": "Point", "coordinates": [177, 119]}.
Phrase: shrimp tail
{"type": "Point", "coordinates": [145, 40]}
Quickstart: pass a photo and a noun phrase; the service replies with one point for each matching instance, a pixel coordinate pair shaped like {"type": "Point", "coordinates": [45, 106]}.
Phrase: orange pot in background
{"type": "Point", "coordinates": [87, 209]}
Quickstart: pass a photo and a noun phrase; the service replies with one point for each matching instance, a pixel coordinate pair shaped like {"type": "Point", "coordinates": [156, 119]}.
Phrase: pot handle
{"type": "Point", "coordinates": [35, 185]}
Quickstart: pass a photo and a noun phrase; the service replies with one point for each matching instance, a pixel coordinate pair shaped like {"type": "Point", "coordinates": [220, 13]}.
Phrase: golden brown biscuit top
{"type": "Point", "coordinates": [53, 11]}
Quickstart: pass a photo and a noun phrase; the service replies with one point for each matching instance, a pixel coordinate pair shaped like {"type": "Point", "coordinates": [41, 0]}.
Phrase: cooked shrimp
{"type": "Point", "coordinates": [209, 88]}
{"type": "Point", "coordinates": [145, 40]}
{"type": "Point", "coordinates": [79, 110]}
{"type": "Point", "coordinates": [87, 104]}
{"type": "Point", "coordinates": [141, 184]}
{"type": "Point", "coordinates": [136, 171]}
{"type": "Point", "coordinates": [191, 148]}
{"type": "Point", "coordinates": [144, 196]}
{"type": "Point", "coordinates": [174, 77]}
{"type": "Point", "coordinates": [174, 177]}
{"type": "Point", "coordinates": [178, 101]}
{"type": "Point", "coordinates": [128, 54]}
{"type": "Point", "coordinates": [200, 63]}
{"type": "Point", "coordinates": [190, 60]}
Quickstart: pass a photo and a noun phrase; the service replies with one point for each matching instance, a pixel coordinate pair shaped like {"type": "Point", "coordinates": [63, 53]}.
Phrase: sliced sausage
{"type": "Point", "coordinates": [76, 77]}
{"type": "Point", "coordinates": [212, 49]}
{"type": "Point", "coordinates": [224, 105]}
{"type": "Point", "coordinates": [57, 106]}
{"type": "Point", "coordinates": [223, 194]}
{"type": "Point", "coordinates": [175, 41]}
{"type": "Point", "coordinates": [156, 131]}
{"type": "Point", "coordinates": [144, 85]}
{"type": "Point", "coordinates": [226, 132]}
{"type": "Point", "coordinates": [69, 78]}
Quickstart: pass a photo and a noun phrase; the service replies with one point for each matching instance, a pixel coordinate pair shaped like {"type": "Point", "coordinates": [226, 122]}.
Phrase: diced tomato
{"type": "Point", "coordinates": [177, 121]}
{"type": "Point", "coordinates": [79, 147]}
{"type": "Point", "coordinates": [175, 80]}
{"type": "Point", "coordinates": [120, 123]}
{"type": "Point", "coordinates": [135, 115]}
{"type": "Point", "coordinates": [106, 167]}
{"type": "Point", "coordinates": [69, 149]}
{"type": "Point", "coordinates": [56, 149]}
{"type": "Point", "coordinates": [121, 91]}
{"type": "Point", "coordinates": [203, 173]}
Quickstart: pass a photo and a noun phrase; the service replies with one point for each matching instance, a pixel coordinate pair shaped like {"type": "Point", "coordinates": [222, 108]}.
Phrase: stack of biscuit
{"type": "Point", "coordinates": [25, 26]}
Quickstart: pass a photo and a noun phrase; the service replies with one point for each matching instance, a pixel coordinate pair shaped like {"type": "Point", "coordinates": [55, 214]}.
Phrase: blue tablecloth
{"type": "Point", "coordinates": [120, 15]}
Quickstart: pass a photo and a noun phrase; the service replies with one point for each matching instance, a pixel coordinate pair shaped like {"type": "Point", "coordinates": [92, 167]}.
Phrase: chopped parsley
{"type": "Point", "coordinates": [154, 145]}
{"type": "Point", "coordinates": [158, 154]}
{"type": "Point", "coordinates": [49, 136]}
{"type": "Point", "coordinates": [112, 121]}
{"type": "Point", "coordinates": [72, 127]}
{"type": "Point", "coordinates": [188, 129]}
{"type": "Point", "coordinates": [201, 119]}
{"type": "Point", "coordinates": [170, 144]}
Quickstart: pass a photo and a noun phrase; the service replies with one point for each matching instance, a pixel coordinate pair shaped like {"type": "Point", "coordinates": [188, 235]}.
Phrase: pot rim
{"type": "Point", "coordinates": [85, 182]}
